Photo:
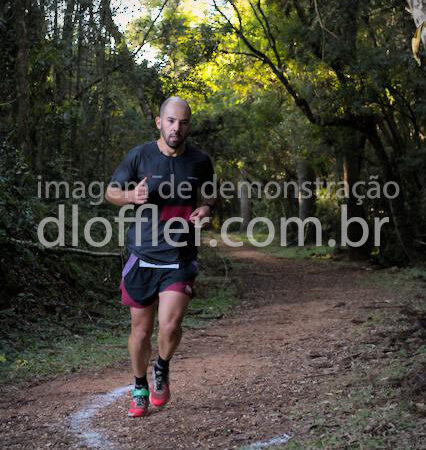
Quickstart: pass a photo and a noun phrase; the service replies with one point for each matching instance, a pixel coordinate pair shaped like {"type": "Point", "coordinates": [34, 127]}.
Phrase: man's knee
{"type": "Point", "coordinates": [171, 329]}
{"type": "Point", "coordinates": [140, 334]}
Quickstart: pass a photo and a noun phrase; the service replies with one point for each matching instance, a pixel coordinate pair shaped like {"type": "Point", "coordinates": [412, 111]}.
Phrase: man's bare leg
{"type": "Point", "coordinates": [171, 309]}
{"type": "Point", "coordinates": [142, 322]}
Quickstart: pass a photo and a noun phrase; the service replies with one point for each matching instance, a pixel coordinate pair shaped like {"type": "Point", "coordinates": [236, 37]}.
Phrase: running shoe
{"type": "Point", "coordinates": [140, 402]}
{"type": "Point", "coordinates": [160, 392]}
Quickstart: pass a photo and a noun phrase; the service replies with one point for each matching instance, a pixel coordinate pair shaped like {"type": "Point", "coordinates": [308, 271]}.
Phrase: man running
{"type": "Point", "coordinates": [162, 266]}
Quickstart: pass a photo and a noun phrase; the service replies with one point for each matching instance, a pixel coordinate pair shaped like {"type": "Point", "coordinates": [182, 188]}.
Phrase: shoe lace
{"type": "Point", "coordinates": [160, 378]}
{"type": "Point", "coordinates": [140, 400]}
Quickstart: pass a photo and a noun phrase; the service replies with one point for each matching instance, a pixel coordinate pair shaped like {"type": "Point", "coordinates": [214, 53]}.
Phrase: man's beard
{"type": "Point", "coordinates": [173, 143]}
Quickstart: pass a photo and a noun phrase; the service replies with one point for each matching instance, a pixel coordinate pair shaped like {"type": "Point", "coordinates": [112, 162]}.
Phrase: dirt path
{"type": "Point", "coordinates": [233, 383]}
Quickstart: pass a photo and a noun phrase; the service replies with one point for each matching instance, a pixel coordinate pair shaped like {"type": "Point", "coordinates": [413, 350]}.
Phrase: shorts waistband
{"type": "Point", "coordinates": [143, 263]}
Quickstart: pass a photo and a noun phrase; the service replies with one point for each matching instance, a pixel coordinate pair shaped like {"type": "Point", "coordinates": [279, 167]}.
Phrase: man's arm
{"type": "Point", "coordinates": [120, 197]}
{"type": "Point", "coordinates": [208, 201]}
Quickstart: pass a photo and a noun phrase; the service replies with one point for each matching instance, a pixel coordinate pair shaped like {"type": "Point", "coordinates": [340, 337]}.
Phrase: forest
{"type": "Point", "coordinates": [285, 95]}
{"type": "Point", "coordinates": [281, 91]}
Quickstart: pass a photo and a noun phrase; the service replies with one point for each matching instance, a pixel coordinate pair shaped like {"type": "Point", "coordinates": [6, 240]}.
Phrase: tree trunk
{"type": "Point", "coordinates": [128, 68]}
{"type": "Point", "coordinates": [245, 206]}
{"type": "Point", "coordinates": [305, 173]}
{"type": "Point", "coordinates": [353, 147]}
{"type": "Point", "coordinates": [22, 83]}
{"type": "Point", "coordinates": [404, 228]}
{"type": "Point", "coordinates": [62, 79]}
{"type": "Point", "coordinates": [66, 44]}
{"type": "Point", "coordinates": [75, 155]}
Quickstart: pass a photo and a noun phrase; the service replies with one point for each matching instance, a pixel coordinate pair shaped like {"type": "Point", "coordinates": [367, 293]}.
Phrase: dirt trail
{"type": "Point", "coordinates": [233, 383]}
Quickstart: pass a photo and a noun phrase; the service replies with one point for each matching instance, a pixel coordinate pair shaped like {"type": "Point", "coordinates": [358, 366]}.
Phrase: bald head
{"type": "Point", "coordinates": [175, 100]}
{"type": "Point", "coordinates": [174, 122]}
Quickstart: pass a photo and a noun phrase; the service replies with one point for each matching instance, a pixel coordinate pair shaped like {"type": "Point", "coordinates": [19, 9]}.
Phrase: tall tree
{"type": "Point", "coordinates": [354, 101]}
{"type": "Point", "coordinates": [22, 62]}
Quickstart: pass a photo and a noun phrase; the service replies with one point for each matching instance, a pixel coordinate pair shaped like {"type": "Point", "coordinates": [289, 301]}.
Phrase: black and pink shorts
{"type": "Point", "coordinates": [140, 286]}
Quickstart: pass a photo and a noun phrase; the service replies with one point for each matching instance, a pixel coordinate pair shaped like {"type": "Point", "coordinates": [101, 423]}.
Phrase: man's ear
{"type": "Point", "coordinates": [158, 122]}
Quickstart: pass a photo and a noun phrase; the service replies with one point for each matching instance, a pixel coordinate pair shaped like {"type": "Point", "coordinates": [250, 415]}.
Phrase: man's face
{"type": "Point", "coordinates": [174, 124]}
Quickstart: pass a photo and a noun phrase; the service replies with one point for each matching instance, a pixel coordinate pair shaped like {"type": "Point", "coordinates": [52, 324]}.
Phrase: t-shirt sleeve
{"type": "Point", "coordinates": [126, 172]}
{"type": "Point", "coordinates": [208, 177]}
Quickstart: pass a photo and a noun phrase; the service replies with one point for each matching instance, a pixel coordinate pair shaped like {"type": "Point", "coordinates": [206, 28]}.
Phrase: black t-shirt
{"type": "Point", "coordinates": [172, 187]}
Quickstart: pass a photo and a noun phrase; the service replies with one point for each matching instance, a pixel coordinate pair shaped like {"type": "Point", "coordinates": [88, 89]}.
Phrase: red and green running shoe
{"type": "Point", "coordinates": [160, 391]}
{"type": "Point", "coordinates": [140, 403]}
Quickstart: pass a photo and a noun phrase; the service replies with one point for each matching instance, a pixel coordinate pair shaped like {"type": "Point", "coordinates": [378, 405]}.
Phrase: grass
{"type": "Point", "coordinates": [63, 356]}
{"type": "Point", "coordinates": [322, 252]}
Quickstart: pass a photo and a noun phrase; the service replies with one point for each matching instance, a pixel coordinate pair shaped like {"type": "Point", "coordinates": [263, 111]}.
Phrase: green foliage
{"type": "Point", "coordinates": [20, 210]}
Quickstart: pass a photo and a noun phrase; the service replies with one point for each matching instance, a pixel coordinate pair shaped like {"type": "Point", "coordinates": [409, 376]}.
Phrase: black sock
{"type": "Point", "coordinates": [141, 382]}
{"type": "Point", "coordinates": [162, 364]}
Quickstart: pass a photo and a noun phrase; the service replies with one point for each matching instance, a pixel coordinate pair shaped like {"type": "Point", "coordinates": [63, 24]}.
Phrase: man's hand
{"type": "Point", "coordinates": [199, 214]}
{"type": "Point", "coordinates": [139, 195]}
{"type": "Point", "coordinates": [119, 197]}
